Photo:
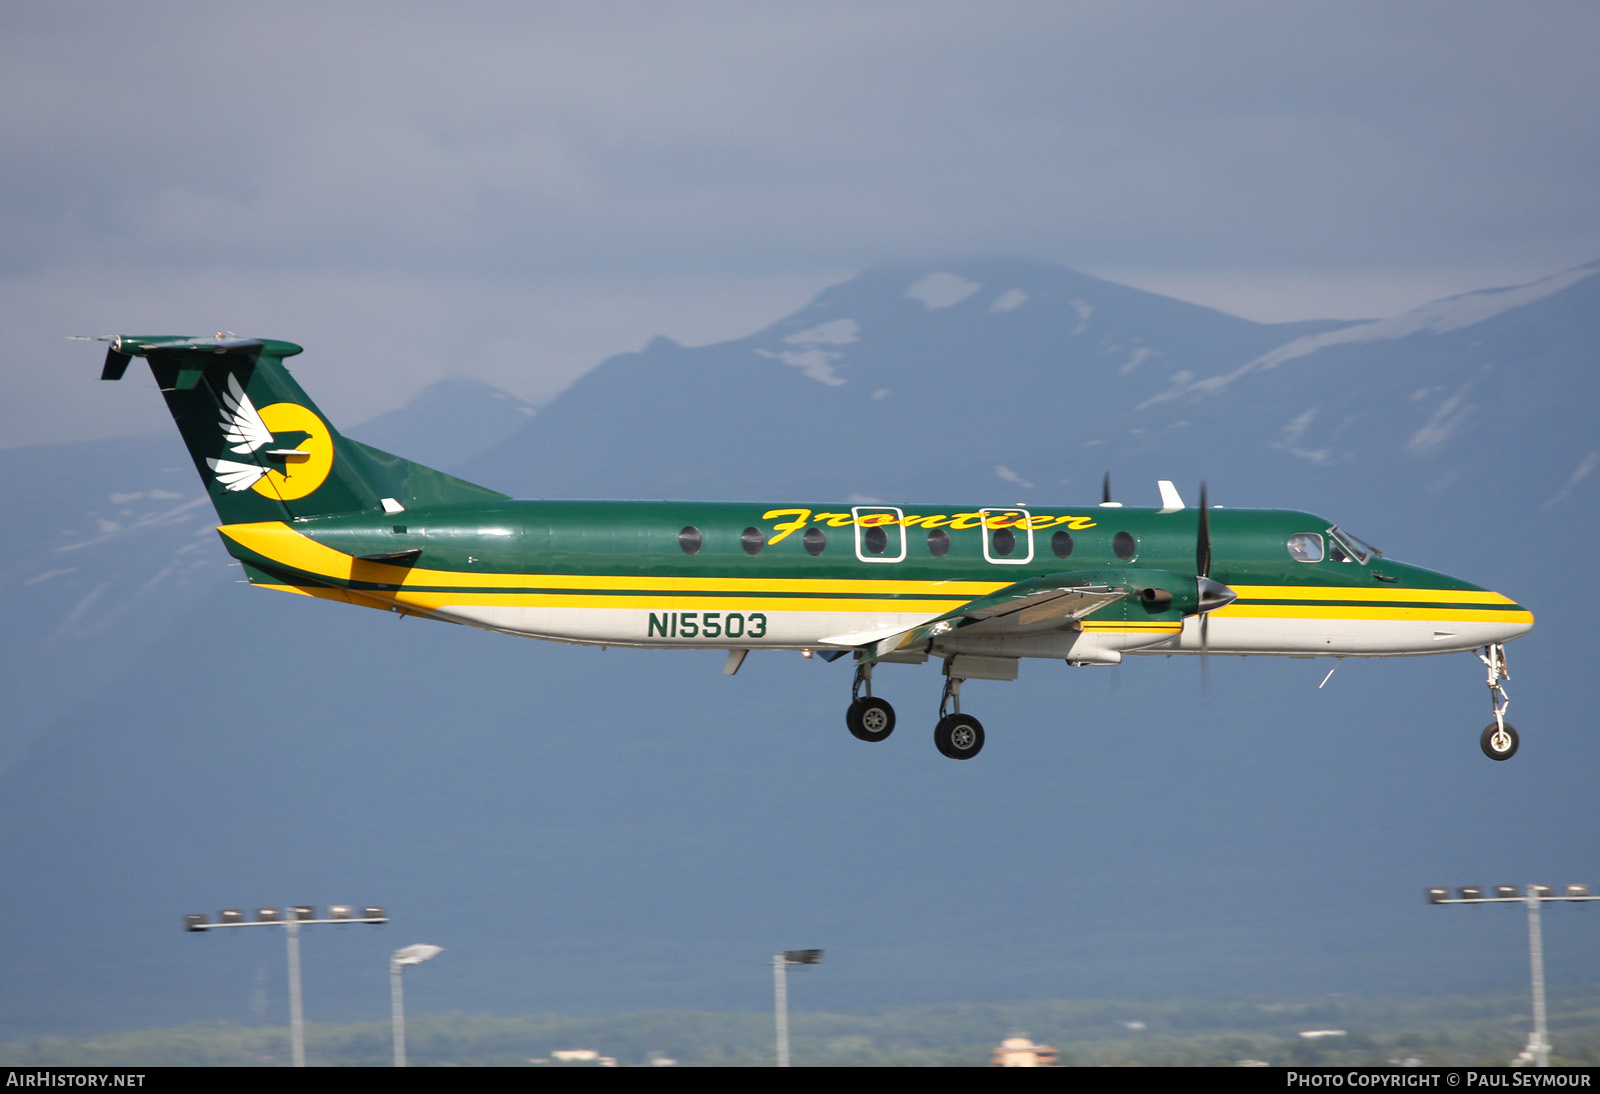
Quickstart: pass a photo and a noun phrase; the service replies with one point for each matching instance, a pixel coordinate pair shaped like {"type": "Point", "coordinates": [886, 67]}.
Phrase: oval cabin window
{"type": "Point", "coordinates": [938, 543]}
{"type": "Point", "coordinates": [690, 539]}
{"type": "Point", "coordinates": [1125, 546]}
{"type": "Point", "coordinates": [816, 541]}
{"type": "Point", "coordinates": [1061, 544]}
{"type": "Point", "coordinates": [752, 540]}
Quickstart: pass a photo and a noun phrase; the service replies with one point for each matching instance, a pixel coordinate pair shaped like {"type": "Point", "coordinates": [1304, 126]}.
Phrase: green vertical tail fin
{"type": "Point", "coordinates": [261, 446]}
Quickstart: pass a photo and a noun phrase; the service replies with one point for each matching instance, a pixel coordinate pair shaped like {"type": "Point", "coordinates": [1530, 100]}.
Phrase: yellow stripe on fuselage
{"type": "Point", "coordinates": [429, 590]}
{"type": "Point", "coordinates": [655, 602]}
{"type": "Point", "coordinates": [1369, 593]}
{"type": "Point", "coordinates": [285, 546]}
{"type": "Point", "coordinates": [1129, 626]}
{"type": "Point", "coordinates": [1353, 611]}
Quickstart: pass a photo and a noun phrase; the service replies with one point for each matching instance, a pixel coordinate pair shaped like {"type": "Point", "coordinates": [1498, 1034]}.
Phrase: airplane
{"type": "Point", "coordinates": [305, 509]}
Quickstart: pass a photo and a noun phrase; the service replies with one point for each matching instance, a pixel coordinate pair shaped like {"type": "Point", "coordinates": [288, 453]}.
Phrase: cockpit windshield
{"type": "Point", "coordinates": [1348, 548]}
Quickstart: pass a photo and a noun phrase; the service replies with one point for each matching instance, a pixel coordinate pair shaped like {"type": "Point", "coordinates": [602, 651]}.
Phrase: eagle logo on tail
{"type": "Point", "coordinates": [290, 461]}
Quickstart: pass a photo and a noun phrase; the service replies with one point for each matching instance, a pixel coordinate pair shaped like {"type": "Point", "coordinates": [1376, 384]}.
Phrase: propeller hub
{"type": "Point", "coordinates": [1214, 595]}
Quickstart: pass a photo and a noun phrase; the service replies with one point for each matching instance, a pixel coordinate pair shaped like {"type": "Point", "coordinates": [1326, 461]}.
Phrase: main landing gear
{"type": "Point", "coordinates": [958, 736]}
{"type": "Point", "coordinates": [1499, 739]}
{"type": "Point", "coordinates": [869, 718]}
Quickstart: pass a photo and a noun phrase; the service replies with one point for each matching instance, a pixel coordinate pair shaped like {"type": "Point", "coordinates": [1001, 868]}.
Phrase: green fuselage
{"type": "Point", "coordinates": [806, 576]}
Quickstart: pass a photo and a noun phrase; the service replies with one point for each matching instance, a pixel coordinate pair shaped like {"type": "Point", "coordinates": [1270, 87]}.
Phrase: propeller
{"type": "Point", "coordinates": [1213, 594]}
{"type": "Point", "coordinates": [1202, 569]}
{"type": "Point", "coordinates": [1105, 494]}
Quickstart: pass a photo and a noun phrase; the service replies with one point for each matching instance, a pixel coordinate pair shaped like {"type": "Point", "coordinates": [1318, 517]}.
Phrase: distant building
{"type": "Point", "coordinates": [578, 1056]}
{"type": "Point", "coordinates": [1018, 1051]}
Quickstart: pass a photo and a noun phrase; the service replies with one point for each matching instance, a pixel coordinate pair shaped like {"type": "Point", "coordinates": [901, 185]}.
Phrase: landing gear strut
{"type": "Point", "coordinates": [1499, 740]}
{"type": "Point", "coordinates": [868, 718]}
{"type": "Point", "coordinates": [958, 736]}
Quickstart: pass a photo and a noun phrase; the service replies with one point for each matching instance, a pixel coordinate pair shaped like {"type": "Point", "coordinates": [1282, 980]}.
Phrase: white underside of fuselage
{"type": "Point", "coordinates": [800, 629]}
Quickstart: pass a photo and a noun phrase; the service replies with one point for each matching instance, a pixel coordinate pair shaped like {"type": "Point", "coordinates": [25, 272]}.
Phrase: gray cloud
{"type": "Point", "coordinates": [475, 168]}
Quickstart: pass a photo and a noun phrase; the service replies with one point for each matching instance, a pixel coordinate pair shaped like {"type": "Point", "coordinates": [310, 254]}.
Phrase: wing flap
{"type": "Point", "coordinates": [1036, 604]}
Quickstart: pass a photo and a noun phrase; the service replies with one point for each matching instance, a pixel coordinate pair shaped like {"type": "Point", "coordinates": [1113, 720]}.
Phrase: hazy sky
{"type": "Point", "coordinates": [514, 192]}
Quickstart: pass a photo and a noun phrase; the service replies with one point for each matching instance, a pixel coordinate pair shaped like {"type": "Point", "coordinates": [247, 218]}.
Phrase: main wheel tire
{"type": "Point", "coordinates": [1493, 748]}
{"type": "Point", "coordinates": [870, 719]}
{"type": "Point", "coordinates": [958, 736]}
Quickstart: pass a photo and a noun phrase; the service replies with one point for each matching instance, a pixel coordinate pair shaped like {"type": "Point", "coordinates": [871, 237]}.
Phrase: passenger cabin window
{"type": "Point", "coordinates": [938, 543]}
{"type": "Point", "coordinates": [690, 539]}
{"type": "Point", "coordinates": [1125, 546]}
{"type": "Point", "coordinates": [1061, 544]}
{"type": "Point", "coordinates": [816, 541]}
{"type": "Point", "coordinates": [1004, 543]}
{"type": "Point", "coordinates": [752, 540]}
{"type": "Point", "coordinates": [1305, 547]}
{"type": "Point", "coordinates": [880, 533]}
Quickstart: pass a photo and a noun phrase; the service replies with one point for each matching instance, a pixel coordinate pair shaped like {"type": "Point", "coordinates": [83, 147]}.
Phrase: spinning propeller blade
{"type": "Point", "coordinates": [1210, 591]}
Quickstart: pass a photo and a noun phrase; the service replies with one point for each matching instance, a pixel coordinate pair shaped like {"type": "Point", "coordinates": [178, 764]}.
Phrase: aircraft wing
{"type": "Point", "coordinates": [1040, 603]}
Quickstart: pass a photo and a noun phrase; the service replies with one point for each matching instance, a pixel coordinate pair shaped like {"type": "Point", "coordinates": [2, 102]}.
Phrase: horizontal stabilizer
{"type": "Point", "coordinates": [407, 557]}
{"type": "Point", "coordinates": [116, 364]}
{"type": "Point", "coordinates": [191, 352]}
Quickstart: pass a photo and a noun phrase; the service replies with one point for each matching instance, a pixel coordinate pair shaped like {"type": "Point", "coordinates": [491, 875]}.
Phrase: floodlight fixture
{"type": "Point", "coordinates": [292, 919]}
{"type": "Point", "coordinates": [414, 954]}
{"type": "Point", "coordinates": [1532, 896]}
{"type": "Point", "coordinates": [780, 993]}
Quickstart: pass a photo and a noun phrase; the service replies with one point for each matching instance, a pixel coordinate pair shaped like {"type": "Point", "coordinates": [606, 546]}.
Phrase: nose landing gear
{"type": "Point", "coordinates": [1499, 739]}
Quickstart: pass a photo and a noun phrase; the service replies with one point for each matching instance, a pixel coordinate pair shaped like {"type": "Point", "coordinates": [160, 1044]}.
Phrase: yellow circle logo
{"type": "Point", "coordinates": [307, 460]}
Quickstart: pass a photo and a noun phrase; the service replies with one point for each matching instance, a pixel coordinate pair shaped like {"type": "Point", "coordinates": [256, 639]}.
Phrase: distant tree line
{"type": "Point", "coordinates": [1089, 1033]}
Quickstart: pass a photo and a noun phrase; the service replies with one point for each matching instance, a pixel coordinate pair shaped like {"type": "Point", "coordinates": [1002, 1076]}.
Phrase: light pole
{"type": "Point", "coordinates": [780, 993]}
{"type": "Point", "coordinates": [1539, 1041]}
{"type": "Point", "coordinates": [299, 914]}
{"type": "Point", "coordinates": [406, 955]}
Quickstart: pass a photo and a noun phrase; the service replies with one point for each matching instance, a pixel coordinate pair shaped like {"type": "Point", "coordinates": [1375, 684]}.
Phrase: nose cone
{"type": "Point", "coordinates": [1512, 620]}
{"type": "Point", "coordinates": [1214, 595]}
{"type": "Point", "coordinates": [1462, 615]}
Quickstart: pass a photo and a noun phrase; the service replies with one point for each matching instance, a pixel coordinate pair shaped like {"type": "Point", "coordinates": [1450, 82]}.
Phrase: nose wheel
{"type": "Point", "coordinates": [1499, 739]}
